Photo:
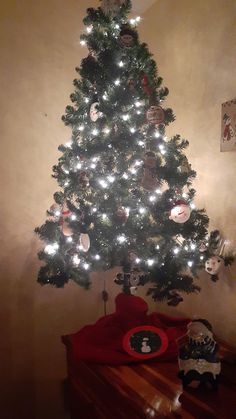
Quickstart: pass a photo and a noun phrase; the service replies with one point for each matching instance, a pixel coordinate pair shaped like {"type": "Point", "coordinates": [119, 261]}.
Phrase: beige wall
{"type": "Point", "coordinates": [194, 44]}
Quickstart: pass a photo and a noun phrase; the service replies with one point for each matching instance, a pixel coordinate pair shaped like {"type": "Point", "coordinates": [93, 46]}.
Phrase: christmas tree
{"type": "Point", "coordinates": [125, 195]}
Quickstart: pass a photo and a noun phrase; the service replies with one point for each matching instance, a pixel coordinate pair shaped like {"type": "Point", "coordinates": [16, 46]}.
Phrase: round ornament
{"type": "Point", "coordinates": [122, 215]}
{"type": "Point", "coordinates": [94, 113]}
{"type": "Point", "coordinates": [127, 36]}
{"type": "Point", "coordinates": [145, 342]}
{"type": "Point", "coordinates": [84, 242]}
{"type": "Point", "coordinates": [213, 265]}
{"type": "Point", "coordinates": [155, 115]}
{"type": "Point", "coordinates": [180, 212]}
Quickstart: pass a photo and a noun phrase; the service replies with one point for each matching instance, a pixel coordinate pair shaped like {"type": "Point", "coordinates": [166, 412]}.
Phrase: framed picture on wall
{"type": "Point", "coordinates": [228, 126]}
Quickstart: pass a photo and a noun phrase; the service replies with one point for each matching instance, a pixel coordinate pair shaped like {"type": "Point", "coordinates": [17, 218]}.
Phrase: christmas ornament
{"type": "Point", "coordinates": [199, 358]}
{"type": "Point", "coordinates": [185, 167]}
{"type": "Point", "coordinates": [94, 113]}
{"type": "Point", "coordinates": [155, 115]}
{"type": "Point", "coordinates": [131, 84]}
{"type": "Point", "coordinates": [202, 247]}
{"type": "Point", "coordinates": [145, 84]}
{"type": "Point", "coordinates": [111, 7]}
{"type": "Point", "coordinates": [174, 298]}
{"type": "Point", "coordinates": [84, 242]}
{"type": "Point", "coordinates": [145, 342]}
{"type": "Point", "coordinates": [83, 180]}
{"type": "Point", "coordinates": [149, 181]}
{"type": "Point", "coordinates": [55, 209]}
{"type": "Point", "coordinates": [180, 212]}
{"type": "Point", "coordinates": [127, 36]}
{"type": "Point", "coordinates": [65, 225]}
{"type": "Point", "coordinates": [122, 215]}
{"type": "Point", "coordinates": [213, 266]}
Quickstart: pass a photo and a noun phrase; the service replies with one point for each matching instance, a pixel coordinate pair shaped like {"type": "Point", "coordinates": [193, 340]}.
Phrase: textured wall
{"type": "Point", "coordinates": [194, 43]}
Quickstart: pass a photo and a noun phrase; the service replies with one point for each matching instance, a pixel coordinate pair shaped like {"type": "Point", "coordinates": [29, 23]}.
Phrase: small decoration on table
{"type": "Point", "coordinates": [94, 112]}
{"type": "Point", "coordinates": [198, 358]}
{"type": "Point", "coordinates": [65, 225]}
{"type": "Point", "coordinates": [213, 266]}
{"type": "Point", "coordinates": [111, 7]}
{"type": "Point", "coordinates": [84, 242]}
{"type": "Point", "coordinates": [181, 212]}
{"type": "Point", "coordinates": [155, 115]}
{"type": "Point", "coordinates": [145, 342]}
{"type": "Point", "coordinates": [149, 181]}
{"type": "Point", "coordinates": [128, 36]}
{"type": "Point", "coordinates": [174, 298]}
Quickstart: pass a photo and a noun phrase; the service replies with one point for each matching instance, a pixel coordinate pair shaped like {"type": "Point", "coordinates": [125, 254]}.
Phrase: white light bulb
{"type": "Point", "coordinates": [184, 195]}
{"type": "Point", "coordinates": [193, 246]}
{"type": "Point", "coordinates": [132, 21]}
{"type": "Point", "coordinates": [81, 128]}
{"type": "Point", "coordinates": [111, 179]}
{"type": "Point", "coordinates": [117, 82]}
{"type": "Point", "coordinates": [104, 217]}
{"type": "Point", "coordinates": [157, 134]}
{"type": "Point", "coordinates": [150, 262]}
{"type": "Point", "coordinates": [121, 64]}
{"type": "Point", "coordinates": [95, 132]}
{"type": "Point", "coordinates": [190, 263]}
{"type": "Point", "coordinates": [117, 26]}
{"type": "Point", "coordinates": [152, 198]}
{"type": "Point", "coordinates": [165, 138]}
{"type": "Point", "coordinates": [103, 183]}
{"type": "Point", "coordinates": [94, 210]}
{"type": "Point", "coordinates": [66, 183]}
{"type": "Point", "coordinates": [158, 247]}
{"type": "Point", "coordinates": [138, 104]}
{"type": "Point", "coordinates": [78, 166]}
{"type": "Point", "coordinates": [125, 176]}
{"type": "Point", "coordinates": [82, 42]}
{"type": "Point", "coordinates": [132, 130]}
{"type": "Point", "coordinates": [161, 147]}
{"type": "Point", "coordinates": [107, 130]}
{"type": "Point", "coordinates": [125, 117]}
{"type": "Point", "coordinates": [186, 248]}
{"type": "Point", "coordinates": [73, 217]}
{"type": "Point", "coordinates": [158, 191]}
{"type": "Point", "coordinates": [163, 152]}
{"type": "Point", "coordinates": [51, 249]}
{"type": "Point", "coordinates": [86, 100]}
{"type": "Point", "coordinates": [142, 211]}
{"type": "Point", "coordinates": [201, 257]}
{"type": "Point", "coordinates": [93, 166]}
{"type": "Point", "coordinates": [138, 19]}
{"type": "Point", "coordinates": [76, 260]}
{"type": "Point", "coordinates": [138, 163]}
{"type": "Point", "coordinates": [86, 266]}
{"type": "Point", "coordinates": [137, 260]}
{"type": "Point", "coordinates": [57, 213]}
{"type": "Point", "coordinates": [141, 143]}
{"type": "Point", "coordinates": [68, 144]}
{"type": "Point", "coordinates": [176, 251]}
{"type": "Point", "coordinates": [69, 239]}
{"type": "Point", "coordinates": [133, 171]}
{"type": "Point", "coordinates": [105, 96]}
{"type": "Point", "coordinates": [121, 239]}
{"type": "Point", "coordinates": [89, 29]}
{"type": "Point", "coordinates": [192, 205]}
{"type": "Point", "coordinates": [138, 112]}
{"type": "Point", "coordinates": [97, 257]}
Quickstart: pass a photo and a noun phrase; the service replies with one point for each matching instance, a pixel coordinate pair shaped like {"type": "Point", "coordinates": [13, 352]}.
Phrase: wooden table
{"type": "Point", "coordinates": [150, 390]}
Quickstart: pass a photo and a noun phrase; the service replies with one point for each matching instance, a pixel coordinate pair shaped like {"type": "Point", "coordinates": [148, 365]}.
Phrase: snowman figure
{"type": "Point", "coordinates": [145, 349]}
{"type": "Point", "coordinates": [111, 7]}
{"type": "Point", "coordinates": [94, 112]}
{"type": "Point", "coordinates": [180, 212]}
{"type": "Point", "coordinates": [213, 266]}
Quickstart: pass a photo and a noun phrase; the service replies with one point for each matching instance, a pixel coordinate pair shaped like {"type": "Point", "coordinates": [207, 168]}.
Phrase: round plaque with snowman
{"type": "Point", "coordinates": [145, 342]}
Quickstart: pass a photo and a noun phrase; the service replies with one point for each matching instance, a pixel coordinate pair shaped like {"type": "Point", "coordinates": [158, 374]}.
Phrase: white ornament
{"type": "Point", "coordinates": [180, 213]}
{"type": "Point", "coordinates": [94, 113]}
{"type": "Point", "coordinates": [146, 349]}
{"type": "Point", "coordinates": [84, 242]}
{"type": "Point", "coordinates": [111, 7]}
{"type": "Point", "coordinates": [213, 265]}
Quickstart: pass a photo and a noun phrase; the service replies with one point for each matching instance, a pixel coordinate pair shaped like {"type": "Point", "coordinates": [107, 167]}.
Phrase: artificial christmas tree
{"type": "Point", "coordinates": [123, 189]}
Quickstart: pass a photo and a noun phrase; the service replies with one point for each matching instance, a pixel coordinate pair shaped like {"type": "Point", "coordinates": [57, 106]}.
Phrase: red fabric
{"type": "Point", "coordinates": [101, 343]}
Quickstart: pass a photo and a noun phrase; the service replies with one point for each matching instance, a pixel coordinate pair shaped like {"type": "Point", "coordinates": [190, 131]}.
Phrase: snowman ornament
{"type": "Point", "coordinates": [145, 349]}
{"type": "Point", "coordinates": [213, 266]}
{"type": "Point", "coordinates": [181, 212]}
{"type": "Point", "coordinates": [94, 112]}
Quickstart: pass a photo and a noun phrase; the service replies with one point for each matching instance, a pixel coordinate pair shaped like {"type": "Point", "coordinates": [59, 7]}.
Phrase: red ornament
{"type": "Point", "coordinates": [146, 86]}
{"type": "Point", "coordinates": [145, 342]}
{"type": "Point", "coordinates": [155, 115]}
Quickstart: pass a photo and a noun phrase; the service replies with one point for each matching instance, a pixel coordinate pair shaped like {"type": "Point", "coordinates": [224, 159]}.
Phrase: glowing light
{"type": "Point", "coordinates": [104, 217]}
{"type": "Point", "coordinates": [117, 26]}
{"type": "Point", "coordinates": [68, 144]}
{"type": "Point", "coordinates": [78, 166]}
{"type": "Point", "coordinates": [190, 263]}
{"type": "Point", "coordinates": [125, 176]}
{"type": "Point", "coordinates": [94, 210]}
{"type": "Point", "coordinates": [107, 131]}
{"type": "Point", "coordinates": [103, 183]}
{"type": "Point", "coordinates": [186, 248]}
{"type": "Point", "coordinates": [82, 42]}
{"type": "Point", "coordinates": [97, 257]}
{"type": "Point", "coordinates": [86, 100]}
{"type": "Point", "coordinates": [201, 257]}
{"type": "Point", "coordinates": [73, 217]}
{"type": "Point", "coordinates": [111, 179]}
{"type": "Point", "coordinates": [105, 96]}
{"type": "Point", "coordinates": [76, 260]}
{"type": "Point", "coordinates": [132, 21]}
{"type": "Point", "coordinates": [138, 163]}
{"type": "Point", "coordinates": [150, 262]}
{"type": "Point", "coordinates": [142, 210]}
{"type": "Point", "coordinates": [95, 132]}
{"type": "Point", "coordinates": [132, 130]}
{"type": "Point", "coordinates": [176, 251]}
{"type": "Point", "coordinates": [121, 239]}
{"type": "Point", "coordinates": [57, 213]}
{"type": "Point", "coordinates": [193, 246]}
{"type": "Point", "coordinates": [141, 143]}
{"type": "Point", "coordinates": [158, 191]}
{"type": "Point", "coordinates": [51, 249]}
{"type": "Point", "coordinates": [138, 19]}
{"type": "Point", "coordinates": [158, 247]}
{"type": "Point", "coordinates": [138, 104]}
{"type": "Point", "coordinates": [69, 239]}
{"type": "Point", "coordinates": [117, 82]}
{"type": "Point", "coordinates": [86, 266]}
{"type": "Point", "coordinates": [152, 198]}
{"type": "Point", "coordinates": [121, 64]}
{"type": "Point", "coordinates": [138, 112]}
{"type": "Point", "coordinates": [157, 134]}
{"type": "Point", "coordinates": [192, 205]}
{"type": "Point", "coordinates": [89, 29]}
{"type": "Point", "coordinates": [137, 260]}
{"type": "Point", "coordinates": [93, 166]}
{"type": "Point", "coordinates": [125, 117]}
{"type": "Point", "coordinates": [133, 171]}
{"type": "Point", "coordinates": [66, 183]}
{"type": "Point", "coordinates": [81, 128]}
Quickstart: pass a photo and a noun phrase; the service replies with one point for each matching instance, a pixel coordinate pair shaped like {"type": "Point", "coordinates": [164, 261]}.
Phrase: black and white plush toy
{"type": "Point", "coordinates": [198, 358]}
